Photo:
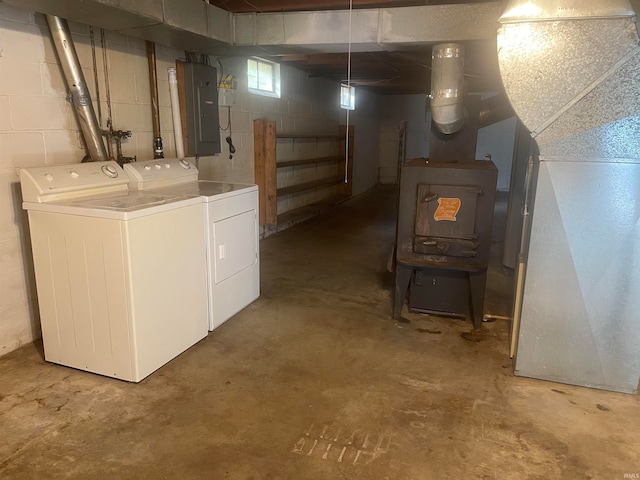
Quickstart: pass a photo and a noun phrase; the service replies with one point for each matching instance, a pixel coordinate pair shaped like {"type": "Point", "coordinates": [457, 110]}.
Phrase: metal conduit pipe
{"type": "Point", "coordinates": [447, 87]}
{"type": "Point", "coordinates": [79, 92]}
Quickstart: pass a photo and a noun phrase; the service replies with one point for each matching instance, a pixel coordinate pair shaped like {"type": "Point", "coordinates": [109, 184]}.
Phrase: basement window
{"type": "Point", "coordinates": [347, 97]}
{"type": "Point", "coordinates": [264, 77]}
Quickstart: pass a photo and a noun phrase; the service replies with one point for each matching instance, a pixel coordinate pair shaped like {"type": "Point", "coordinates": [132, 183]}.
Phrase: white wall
{"type": "Point", "coordinates": [307, 105]}
{"type": "Point", "coordinates": [38, 127]}
{"type": "Point", "coordinates": [366, 150]}
{"type": "Point", "coordinates": [497, 140]}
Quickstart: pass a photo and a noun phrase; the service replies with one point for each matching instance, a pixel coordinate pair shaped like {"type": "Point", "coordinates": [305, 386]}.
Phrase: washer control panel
{"type": "Point", "coordinates": [160, 173]}
{"type": "Point", "coordinates": [41, 184]}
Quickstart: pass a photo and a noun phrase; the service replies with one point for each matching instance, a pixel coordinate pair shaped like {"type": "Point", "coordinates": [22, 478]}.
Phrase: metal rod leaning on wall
{"type": "Point", "coordinates": [77, 86]}
{"type": "Point", "coordinates": [158, 150]}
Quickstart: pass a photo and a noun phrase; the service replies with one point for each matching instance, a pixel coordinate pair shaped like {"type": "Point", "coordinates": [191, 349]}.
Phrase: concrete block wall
{"type": "Point", "coordinates": [38, 127]}
{"type": "Point", "coordinates": [307, 105]}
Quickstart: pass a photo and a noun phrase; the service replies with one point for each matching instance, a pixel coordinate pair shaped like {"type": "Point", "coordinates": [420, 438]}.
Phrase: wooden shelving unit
{"type": "Point", "coordinates": [266, 165]}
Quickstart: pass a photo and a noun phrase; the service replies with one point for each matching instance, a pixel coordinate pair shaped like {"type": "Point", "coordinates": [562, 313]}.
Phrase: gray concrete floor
{"type": "Point", "coordinates": [315, 381]}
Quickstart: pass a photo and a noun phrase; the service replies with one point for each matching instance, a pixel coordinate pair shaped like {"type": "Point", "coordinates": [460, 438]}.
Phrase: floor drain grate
{"type": "Point", "coordinates": [336, 444]}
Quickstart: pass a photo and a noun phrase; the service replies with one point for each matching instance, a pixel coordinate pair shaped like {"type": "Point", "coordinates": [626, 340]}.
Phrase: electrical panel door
{"type": "Point", "coordinates": [201, 108]}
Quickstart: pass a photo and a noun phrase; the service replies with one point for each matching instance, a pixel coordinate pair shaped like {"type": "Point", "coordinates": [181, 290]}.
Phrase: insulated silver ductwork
{"type": "Point", "coordinates": [447, 87]}
{"type": "Point", "coordinates": [78, 89]}
{"type": "Point", "coordinates": [570, 70]}
{"type": "Point", "coordinates": [554, 52]}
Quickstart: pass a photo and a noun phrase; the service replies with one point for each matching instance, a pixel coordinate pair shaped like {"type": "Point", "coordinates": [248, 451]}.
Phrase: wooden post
{"type": "Point", "coordinates": [346, 188]}
{"type": "Point", "coordinates": [264, 156]}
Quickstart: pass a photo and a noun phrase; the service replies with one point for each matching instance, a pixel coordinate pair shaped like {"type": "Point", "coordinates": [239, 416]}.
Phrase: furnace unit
{"type": "Point", "coordinates": [444, 235]}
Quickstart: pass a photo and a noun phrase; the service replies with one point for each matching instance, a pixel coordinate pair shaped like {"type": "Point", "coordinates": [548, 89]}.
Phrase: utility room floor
{"type": "Point", "coordinates": [315, 381]}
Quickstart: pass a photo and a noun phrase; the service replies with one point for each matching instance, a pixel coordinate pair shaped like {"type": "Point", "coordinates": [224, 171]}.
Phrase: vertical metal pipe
{"type": "Point", "coordinates": [158, 151]}
{"type": "Point", "coordinates": [447, 87]}
{"type": "Point", "coordinates": [80, 96]}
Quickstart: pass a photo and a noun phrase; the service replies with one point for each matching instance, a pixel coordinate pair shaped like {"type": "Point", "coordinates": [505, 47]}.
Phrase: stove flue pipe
{"type": "Point", "coordinates": [78, 89]}
{"type": "Point", "coordinates": [447, 87]}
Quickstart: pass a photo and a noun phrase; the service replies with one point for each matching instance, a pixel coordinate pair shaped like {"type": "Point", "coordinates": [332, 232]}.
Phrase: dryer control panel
{"type": "Point", "coordinates": [162, 172]}
{"type": "Point", "coordinates": [61, 182]}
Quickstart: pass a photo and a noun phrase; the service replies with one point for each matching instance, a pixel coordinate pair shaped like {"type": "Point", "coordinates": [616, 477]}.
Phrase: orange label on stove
{"type": "Point", "coordinates": [447, 209]}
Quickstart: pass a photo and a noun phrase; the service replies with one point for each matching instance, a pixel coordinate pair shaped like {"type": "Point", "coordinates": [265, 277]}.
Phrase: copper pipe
{"type": "Point", "coordinates": [153, 83]}
{"type": "Point", "coordinates": [155, 112]}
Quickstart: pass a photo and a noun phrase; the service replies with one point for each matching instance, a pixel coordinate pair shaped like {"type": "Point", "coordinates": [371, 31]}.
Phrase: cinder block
{"type": "Point", "coordinates": [123, 87]}
{"type": "Point", "coordinates": [5, 114]}
{"type": "Point", "coordinates": [119, 62]}
{"type": "Point", "coordinates": [143, 89]}
{"type": "Point", "coordinates": [22, 149]}
{"type": "Point", "coordinates": [53, 83]}
{"type": "Point", "coordinates": [20, 77]}
{"type": "Point", "coordinates": [63, 147]}
{"type": "Point", "coordinates": [40, 113]}
{"type": "Point", "coordinates": [13, 289]}
{"type": "Point", "coordinates": [24, 42]}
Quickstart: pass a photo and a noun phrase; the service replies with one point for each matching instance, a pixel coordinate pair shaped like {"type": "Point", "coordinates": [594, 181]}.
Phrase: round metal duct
{"type": "Point", "coordinates": [447, 87]}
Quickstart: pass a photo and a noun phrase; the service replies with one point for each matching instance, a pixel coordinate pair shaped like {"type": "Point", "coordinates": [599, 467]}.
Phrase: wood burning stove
{"type": "Point", "coordinates": [444, 235]}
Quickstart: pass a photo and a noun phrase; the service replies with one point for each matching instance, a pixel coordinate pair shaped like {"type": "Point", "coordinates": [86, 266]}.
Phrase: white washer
{"type": "Point", "coordinates": [120, 275]}
{"type": "Point", "coordinates": [231, 219]}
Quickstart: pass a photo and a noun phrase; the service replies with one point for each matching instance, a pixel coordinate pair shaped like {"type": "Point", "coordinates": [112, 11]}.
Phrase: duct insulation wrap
{"type": "Point", "coordinates": [447, 87]}
{"type": "Point", "coordinates": [78, 89]}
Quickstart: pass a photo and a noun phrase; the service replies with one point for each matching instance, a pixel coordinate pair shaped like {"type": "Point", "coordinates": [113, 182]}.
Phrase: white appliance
{"type": "Point", "coordinates": [120, 275]}
{"type": "Point", "coordinates": [231, 219]}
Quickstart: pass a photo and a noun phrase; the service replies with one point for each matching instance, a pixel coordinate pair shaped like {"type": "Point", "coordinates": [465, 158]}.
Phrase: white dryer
{"type": "Point", "coordinates": [120, 274]}
{"type": "Point", "coordinates": [231, 220]}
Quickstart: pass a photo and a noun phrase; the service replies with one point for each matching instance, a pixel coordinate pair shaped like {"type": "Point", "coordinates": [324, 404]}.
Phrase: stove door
{"type": "Point", "coordinates": [447, 211]}
{"type": "Point", "coordinates": [445, 220]}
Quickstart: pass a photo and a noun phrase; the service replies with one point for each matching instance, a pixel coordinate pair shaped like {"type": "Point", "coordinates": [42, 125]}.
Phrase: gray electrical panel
{"type": "Point", "coordinates": [201, 106]}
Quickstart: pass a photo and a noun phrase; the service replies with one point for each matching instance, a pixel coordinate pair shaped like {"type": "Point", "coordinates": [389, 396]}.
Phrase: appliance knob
{"type": "Point", "coordinates": [167, 165]}
{"type": "Point", "coordinates": [48, 177]}
{"type": "Point", "coordinates": [185, 164]}
{"type": "Point", "coordinates": [110, 171]}
{"type": "Point", "coordinates": [158, 167]}
{"type": "Point", "coordinates": [74, 174]}
{"type": "Point", "coordinates": [147, 167]}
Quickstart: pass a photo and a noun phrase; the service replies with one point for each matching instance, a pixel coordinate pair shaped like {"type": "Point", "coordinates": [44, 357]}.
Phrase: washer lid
{"type": "Point", "coordinates": [119, 207]}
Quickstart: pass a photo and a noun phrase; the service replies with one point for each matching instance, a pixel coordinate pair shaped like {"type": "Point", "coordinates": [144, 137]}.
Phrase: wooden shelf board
{"type": "Point", "coordinates": [301, 187]}
{"type": "Point", "coordinates": [308, 161]}
{"type": "Point", "coordinates": [311, 210]}
{"type": "Point", "coordinates": [307, 135]}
